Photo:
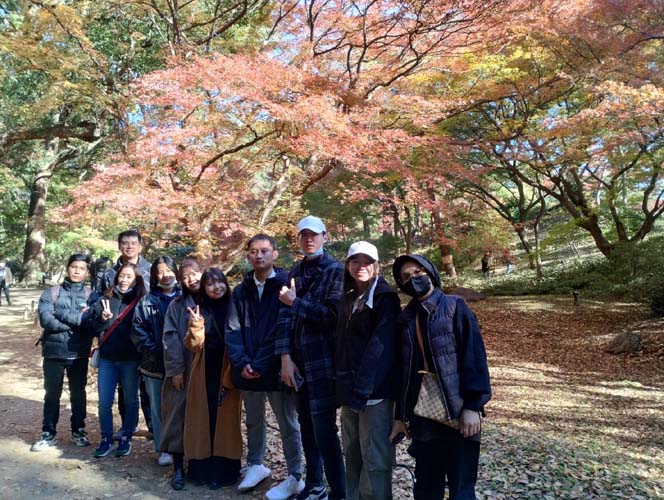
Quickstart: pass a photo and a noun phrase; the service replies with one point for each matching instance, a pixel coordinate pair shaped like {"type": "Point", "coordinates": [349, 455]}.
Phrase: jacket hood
{"type": "Point", "coordinates": [422, 261]}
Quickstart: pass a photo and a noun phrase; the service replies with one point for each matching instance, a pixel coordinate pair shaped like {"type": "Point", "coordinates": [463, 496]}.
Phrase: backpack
{"type": "Point", "coordinates": [55, 293]}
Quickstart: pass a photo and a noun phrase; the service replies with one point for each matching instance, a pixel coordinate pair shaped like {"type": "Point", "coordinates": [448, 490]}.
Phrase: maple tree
{"type": "Point", "coordinates": [572, 111]}
{"type": "Point", "coordinates": [222, 141]}
{"type": "Point", "coordinates": [64, 81]}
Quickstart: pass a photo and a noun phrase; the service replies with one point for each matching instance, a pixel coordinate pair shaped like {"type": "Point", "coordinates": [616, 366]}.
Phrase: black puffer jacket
{"type": "Point", "coordinates": [147, 330]}
{"type": "Point", "coordinates": [66, 332]}
{"type": "Point", "coordinates": [367, 349]}
{"type": "Point", "coordinates": [118, 346]}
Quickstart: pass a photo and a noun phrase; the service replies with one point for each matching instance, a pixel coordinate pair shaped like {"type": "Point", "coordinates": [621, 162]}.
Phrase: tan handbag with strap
{"type": "Point", "coordinates": [431, 402]}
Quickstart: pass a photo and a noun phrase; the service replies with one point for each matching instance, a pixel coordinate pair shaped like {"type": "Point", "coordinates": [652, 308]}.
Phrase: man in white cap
{"type": "Point", "coordinates": [306, 344]}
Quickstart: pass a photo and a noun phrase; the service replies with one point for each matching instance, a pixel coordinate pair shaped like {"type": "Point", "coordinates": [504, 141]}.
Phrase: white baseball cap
{"type": "Point", "coordinates": [312, 224]}
{"type": "Point", "coordinates": [363, 247]}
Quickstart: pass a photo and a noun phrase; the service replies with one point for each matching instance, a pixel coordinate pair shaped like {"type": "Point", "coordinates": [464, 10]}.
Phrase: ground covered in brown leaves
{"type": "Point", "coordinates": [567, 420]}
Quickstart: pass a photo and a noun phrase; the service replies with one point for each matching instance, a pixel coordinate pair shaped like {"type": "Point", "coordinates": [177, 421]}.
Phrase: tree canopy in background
{"type": "Point", "coordinates": [404, 121]}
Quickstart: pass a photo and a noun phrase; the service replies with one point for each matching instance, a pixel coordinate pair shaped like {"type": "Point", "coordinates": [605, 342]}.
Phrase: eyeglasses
{"type": "Point", "coordinates": [130, 244]}
{"type": "Point", "coordinates": [415, 273]}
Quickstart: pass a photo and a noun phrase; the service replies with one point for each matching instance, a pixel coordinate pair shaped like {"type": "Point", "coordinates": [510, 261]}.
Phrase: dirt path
{"type": "Point", "coordinates": [567, 421]}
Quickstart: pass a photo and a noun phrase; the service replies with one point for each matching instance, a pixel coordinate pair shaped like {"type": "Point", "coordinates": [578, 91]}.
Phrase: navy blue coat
{"type": "Point", "coordinates": [66, 333]}
{"type": "Point", "coordinates": [251, 330]}
{"type": "Point", "coordinates": [458, 353]}
{"type": "Point", "coordinates": [367, 349]}
{"type": "Point", "coordinates": [147, 330]}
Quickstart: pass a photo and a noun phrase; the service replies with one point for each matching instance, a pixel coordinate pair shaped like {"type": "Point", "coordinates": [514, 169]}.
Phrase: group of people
{"type": "Point", "coordinates": [323, 336]}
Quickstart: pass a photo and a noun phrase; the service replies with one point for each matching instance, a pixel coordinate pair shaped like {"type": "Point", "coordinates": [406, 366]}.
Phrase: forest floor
{"type": "Point", "coordinates": [566, 420]}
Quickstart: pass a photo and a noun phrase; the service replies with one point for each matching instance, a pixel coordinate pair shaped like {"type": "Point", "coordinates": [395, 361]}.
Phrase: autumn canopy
{"type": "Point", "coordinates": [204, 122]}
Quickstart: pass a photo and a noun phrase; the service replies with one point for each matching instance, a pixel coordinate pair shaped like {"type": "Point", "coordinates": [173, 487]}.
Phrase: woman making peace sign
{"type": "Point", "coordinates": [118, 358]}
{"type": "Point", "coordinates": [212, 433]}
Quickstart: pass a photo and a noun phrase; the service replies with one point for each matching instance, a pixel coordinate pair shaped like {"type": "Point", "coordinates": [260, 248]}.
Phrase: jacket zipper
{"type": "Point", "coordinates": [440, 380]}
{"type": "Point", "coordinates": [404, 394]}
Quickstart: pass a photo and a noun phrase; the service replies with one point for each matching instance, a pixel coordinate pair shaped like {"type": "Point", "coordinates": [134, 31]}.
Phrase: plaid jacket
{"type": "Point", "coordinates": [306, 330]}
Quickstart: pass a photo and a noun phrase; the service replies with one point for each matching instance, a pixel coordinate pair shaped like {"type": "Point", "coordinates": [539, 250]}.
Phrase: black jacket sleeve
{"type": "Point", "coordinates": [374, 367]}
{"type": "Point", "coordinates": [141, 329]}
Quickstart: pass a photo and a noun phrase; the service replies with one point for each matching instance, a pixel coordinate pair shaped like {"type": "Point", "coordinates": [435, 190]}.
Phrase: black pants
{"type": "Point", "coordinates": [77, 376]}
{"type": "Point", "coordinates": [440, 462]}
{"type": "Point", "coordinates": [321, 446]}
{"type": "Point", "coordinates": [5, 288]}
{"type": "Point", "coordinates": [145, 404]}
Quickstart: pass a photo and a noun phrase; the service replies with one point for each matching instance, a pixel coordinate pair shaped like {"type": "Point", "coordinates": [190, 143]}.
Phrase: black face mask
{"type": "Point", "coordinates": [417, 286]}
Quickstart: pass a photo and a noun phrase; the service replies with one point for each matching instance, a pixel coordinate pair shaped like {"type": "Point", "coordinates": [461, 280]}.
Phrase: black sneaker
{"type": "Point", "coordinates": [47, 440]}
{"type": "Point", "coordinates": [315, 492]}
{"type": "Point", "coordinates": [177, 482]}
{"type": "Point", "coordinates": [124, 447]}
{"type": "Point", "coordinates": [80, 437]}
{"type": "Point", "coordinates": [104, 448]}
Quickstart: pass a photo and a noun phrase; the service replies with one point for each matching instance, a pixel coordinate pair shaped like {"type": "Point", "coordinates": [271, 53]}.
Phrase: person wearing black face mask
{"type": "Point", "coordinates": [441, 341]}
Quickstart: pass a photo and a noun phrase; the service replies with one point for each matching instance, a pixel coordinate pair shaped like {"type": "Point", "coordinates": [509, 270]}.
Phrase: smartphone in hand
{"type": "Point", "coordinates": [299, 381]}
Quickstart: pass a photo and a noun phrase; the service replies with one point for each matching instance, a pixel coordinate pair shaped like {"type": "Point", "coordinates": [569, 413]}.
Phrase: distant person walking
{"type": "Point", "coordinates": [6, 280]}
{"type": "Point", "coordinates": [486, 269]}
{"type": "Point", "coordinates": [66, 341]}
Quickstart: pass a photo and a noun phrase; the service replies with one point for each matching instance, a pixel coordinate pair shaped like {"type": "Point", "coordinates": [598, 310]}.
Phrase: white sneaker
{"type": "Point", "coordinates": [287, 488]}
{"type": "Point", "coordinates": [254, 475]}
{"type": "Point", "coordinates": [165, 458]}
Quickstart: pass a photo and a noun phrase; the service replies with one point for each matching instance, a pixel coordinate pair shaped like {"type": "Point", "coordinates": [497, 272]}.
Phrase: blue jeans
{"type": "Point", "coordinates": [109, 374]}
{"type": "Point", "coordinates": [153, 387]}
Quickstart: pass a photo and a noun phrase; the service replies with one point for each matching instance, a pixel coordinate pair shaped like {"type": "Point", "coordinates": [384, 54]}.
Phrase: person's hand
{"type": "Point", "coordinates": [469, 423]}
{"type": "Point", "coordinates": [287, 295]}
{"type": "Point", "coordinates": [178, 381]}
{"type": "Point", "coordinates": [398, 427]}
{"type": "Point", "coordinates": [195, 313]}
{"type": "Point", "coordinates": [288, 371]}
{"type": "Point", "coordinates": [249, 373]}
{"type": "Point", "coordinates": [106, 312]}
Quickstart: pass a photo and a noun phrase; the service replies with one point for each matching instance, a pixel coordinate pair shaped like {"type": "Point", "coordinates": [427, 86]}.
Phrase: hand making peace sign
{"type": "Point", "coordinates": [106, 312]}
{"type": "Point", "coordinates": [195, 313]}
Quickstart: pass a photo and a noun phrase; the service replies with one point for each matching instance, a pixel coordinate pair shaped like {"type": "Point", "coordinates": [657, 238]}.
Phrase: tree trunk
{"type": "Point", "coordinates": [34, 259]}
{"type": "Point", "coordinates": [448, 260]}
{"type": "Point", "coordinates": [521, 233]}
{"type": "Point", "coordinates": [538, 254]}
{"type": "Point", "coordinates": [446, 256]}
{"type": "Point", "coordinates": [366, 226]}
{"type": "Point", "coordinates": [591, 224]}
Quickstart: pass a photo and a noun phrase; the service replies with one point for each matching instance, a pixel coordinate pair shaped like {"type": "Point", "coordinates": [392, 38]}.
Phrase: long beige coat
{"type": "Point", "coordinates": [228, 433]}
